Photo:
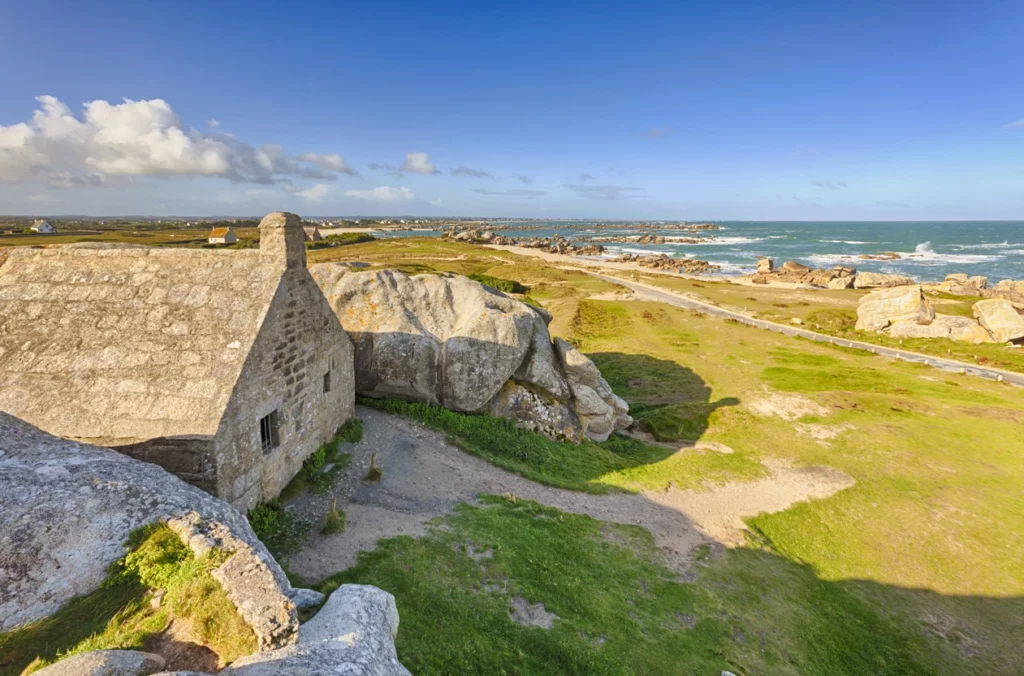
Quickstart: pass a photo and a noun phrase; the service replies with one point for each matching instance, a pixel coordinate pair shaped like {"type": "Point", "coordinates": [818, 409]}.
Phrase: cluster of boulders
{"type": "Point", "coordinates": [66, 510]}
{"type": "Point", "coordinates": [838, 277]}
{"type": "Point", "coordinates": [904, 312]}
{"type": "Point", "coordinates": [448, 340]}
{"type": "Point", "coordinates": [690, 266]}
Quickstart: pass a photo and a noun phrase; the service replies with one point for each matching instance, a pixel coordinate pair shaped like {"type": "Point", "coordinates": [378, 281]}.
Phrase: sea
{"type": "Point", "coordinates": [928, 250]}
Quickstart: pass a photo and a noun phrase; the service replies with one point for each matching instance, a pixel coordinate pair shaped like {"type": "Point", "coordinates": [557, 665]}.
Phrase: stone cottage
{"type": "Point", "coordinates": [227, 368]}
{"type": "Point", "coordinates": [222, 236]}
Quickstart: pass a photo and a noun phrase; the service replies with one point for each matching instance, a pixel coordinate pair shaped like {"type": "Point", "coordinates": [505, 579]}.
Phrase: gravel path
{"type": "Point", "coordinates": [647, 292]}
{"type": "Point", "coordinates": [424, 477]}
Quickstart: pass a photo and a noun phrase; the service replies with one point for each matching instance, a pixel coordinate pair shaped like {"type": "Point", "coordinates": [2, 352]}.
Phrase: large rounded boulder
{"type": "Point", "coordinates": [448, 340]}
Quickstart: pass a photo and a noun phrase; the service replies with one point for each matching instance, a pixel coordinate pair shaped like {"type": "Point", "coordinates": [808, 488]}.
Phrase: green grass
{"type": "Point", "coordinates": [503, 285]}
{"type": "Point", "coordinates": [277, 527]}
{"type": "Point", "coordinates": [312, 477]}
{"type": "Point", "coordinates": [620, 610]}
{"type": "Point", "coordinates": [335, 521]}
{"type": "Point", "coordinates": [915, 569]}
{"type": "Point", "coordinates": [119, 615]}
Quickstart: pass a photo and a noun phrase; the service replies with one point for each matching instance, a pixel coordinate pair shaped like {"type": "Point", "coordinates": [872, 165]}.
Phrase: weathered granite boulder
{"type": "Point", "coordinates": [354, 633]}
{"type": "Point", "coordinates": [959, 284]}
{"type": "Point", "coordinates": [66, 509]}
{"type": "Point", "coordinates": [1011, 290]}
{"type": "Point", "coordinates": [963, 329]}
{"type": "Point", "coordinates": [106, 663]}
{"type": "Point", "coordinates": [765, 266]}
{"type": "Point", "coordinates": [792, 272]}
{"type": "Point", "coordinates": [1000, 318]}
{"type": "Point", "coordinates": [883, 307]}
{"type": "Point", "coordinates": [877, 280]}
{"type": "Point", "coordinates": [448, 340]}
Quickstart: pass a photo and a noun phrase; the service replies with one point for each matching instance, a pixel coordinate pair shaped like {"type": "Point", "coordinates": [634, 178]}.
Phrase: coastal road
{"type": "Point", "coordinates": [647, 292]}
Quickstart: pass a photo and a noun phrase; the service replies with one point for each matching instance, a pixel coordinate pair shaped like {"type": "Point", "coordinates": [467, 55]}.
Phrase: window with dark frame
{"type": "Point", "coordinates": [269, 439]}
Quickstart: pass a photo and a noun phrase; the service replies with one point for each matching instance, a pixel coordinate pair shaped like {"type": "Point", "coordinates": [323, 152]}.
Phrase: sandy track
{"type": "Point", "coordinates": [425, 477]}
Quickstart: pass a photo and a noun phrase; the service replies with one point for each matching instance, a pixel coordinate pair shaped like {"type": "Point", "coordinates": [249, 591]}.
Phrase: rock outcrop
{"type": "Point", "coordinates": [1011, 290]}
{"type": "Point", "coordinates": [354, 633]}
{"type": "Point", "coordinates": [106, 663]}
{"type": "Point", "coordinates": [792, 272]}
{"type": "Point", "coordinates": [878, 280]}
{"type": "Point", "coordinates": [1000, 318]}
{"type": "Point", "coordinates": [962, 329]}
{"type": "Point", "coordinates": [883, 307]}
{"type": "Point", "coordinates": [682, 266]}
{"type": "Point", "coordinates": [448, 340]}
{"type": "Point", "coordinates": [66, 509]}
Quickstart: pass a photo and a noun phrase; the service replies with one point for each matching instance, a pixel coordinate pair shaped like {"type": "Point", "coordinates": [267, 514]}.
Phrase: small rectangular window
{"type": "Point", "coordinates": [268, 432]}
{"type": "Point", "coordinates": [327, 382]}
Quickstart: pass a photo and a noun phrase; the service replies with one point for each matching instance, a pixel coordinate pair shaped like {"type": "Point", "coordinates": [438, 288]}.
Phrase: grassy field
{"type": "Point", "coordinates": [834, 312]}
{"type": "Point", "coordinates": [918, 568]}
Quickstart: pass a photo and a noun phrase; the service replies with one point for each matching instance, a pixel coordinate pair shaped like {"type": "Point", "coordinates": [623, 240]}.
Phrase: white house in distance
{"type": "Point", "coordinates": [43, 228]}
{"type": "Point", "coordinates": [312, 234]}
{"type": "Point", "coordinates": [223, 236]}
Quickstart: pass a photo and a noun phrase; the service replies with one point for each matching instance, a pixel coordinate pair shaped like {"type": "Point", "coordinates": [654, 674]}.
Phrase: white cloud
{"type": "Point", "coordinates": [318, 192]}
{"type": "Point", "coordinates": [140, 138]}
{"type": "Point", "coordinates": [418, 163]}
{"type": "Point", "coordinates": [1019, 124]}
{"type": "Point", "coordinates": [331, 162]}
{"type": "Point", "coordinates": [382, 194]}
{"type": "Point", "coordinates": [435, 202]}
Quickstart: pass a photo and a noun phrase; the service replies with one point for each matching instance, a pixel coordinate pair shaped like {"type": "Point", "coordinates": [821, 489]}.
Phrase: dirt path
{"type": "Point", "coordinates": [425, 477]}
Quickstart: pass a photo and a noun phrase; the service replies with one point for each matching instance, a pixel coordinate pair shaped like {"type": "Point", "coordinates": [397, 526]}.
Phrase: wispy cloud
{"type": "Point", "coordinates": [382, 193]}
{"type": "Point", "coordinates": [332, 162]}
{"type": "Point", "coordinates": [318, 192]}
{"type": "Point", "coordinates": [604, 192]}
{"type": "Point", "coordinates": [515, 192]}
{"type": "Point", "coordinates": [415, 163]}
{"type": "Point", "coordinates": [829, 185]}
{"type": "Point", "coordinates": [1019, 124]}
{"type": "Point", "coordinates": [471, 173]}
{"type": "Point", "coordinates": [522, 178]}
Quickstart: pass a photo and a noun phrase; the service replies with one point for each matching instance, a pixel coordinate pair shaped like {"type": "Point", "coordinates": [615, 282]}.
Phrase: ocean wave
{"type": "Point", "coordinates": [923, 254]}
{"type": "Point", "coordinates": [718, 241]}
{"type": "Point", "coordinates": [845, 241]}
{"type": "Point", "coordinates": [989, 245]}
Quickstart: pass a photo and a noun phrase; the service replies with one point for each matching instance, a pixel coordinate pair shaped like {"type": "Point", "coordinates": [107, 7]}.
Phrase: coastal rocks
{"type": "Point", "coordinates": [664, 262]}
{"type": "Point", "coordinates": [959, 284]}
{"type": "Point", "coordinates": [878, 280]}
{"type": "Point", "coordinates": [106, 663]}
{"type": "Point", "coordinates": [1000, 318]}
{"type": "Point", "coordinates": [1011, 290]}
{"type": "Point", "coordinates": [66, 509]}
{"type": "Point", "coordinates": [793, 272]}
{"type": "Point", "coordinates": [962, 329]}
{"type": "Point", "coordinates": [448, 340]}
{"type": "Point", "coordinates": [354, 633]}
{"type": "Point", "coordinates": [883, 307]}
{"type": "Point", "coordinates": [887, 256]}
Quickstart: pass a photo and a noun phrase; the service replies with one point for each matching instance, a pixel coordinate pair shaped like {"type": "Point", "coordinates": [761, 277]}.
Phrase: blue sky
{"type": "Point", "coordinates": [731, 110]}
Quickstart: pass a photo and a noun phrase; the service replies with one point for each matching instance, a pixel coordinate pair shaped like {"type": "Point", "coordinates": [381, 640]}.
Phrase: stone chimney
{"type": "Point", "coordinates": [282, 241]}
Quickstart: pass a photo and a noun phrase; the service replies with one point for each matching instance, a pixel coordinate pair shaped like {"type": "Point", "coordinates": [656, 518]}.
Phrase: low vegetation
{"type": "Point", "coordinates": [335, 521]}
{"type": "Point", "coordinates": [915, 569]}
{"type": "Point", "coordinates": [618, 609]}
{"type": "Point", "coordinates": [277, 527]}
{"type": "Point", "coordinates": [123, 613]}
{"type": "Point", "coordinates": [504, 285]}
{"type": "Point", "coordinates": [322, 468]}
{"type": "Point", "coordinates": [341, 239]}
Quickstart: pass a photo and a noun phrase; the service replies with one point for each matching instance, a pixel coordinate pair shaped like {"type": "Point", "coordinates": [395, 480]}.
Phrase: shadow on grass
{"type": "Point", "coordinates": [668, 400]}
{"type": "Point", "coordinates": [747, 610]}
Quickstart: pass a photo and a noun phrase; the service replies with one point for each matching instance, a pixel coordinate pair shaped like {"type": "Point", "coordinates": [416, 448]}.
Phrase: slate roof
{"type": "Point", "coordinates": [121, 342]}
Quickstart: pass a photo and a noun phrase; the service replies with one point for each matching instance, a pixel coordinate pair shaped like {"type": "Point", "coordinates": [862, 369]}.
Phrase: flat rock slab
{"type": "Point", "coordinates": [106, 663]}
